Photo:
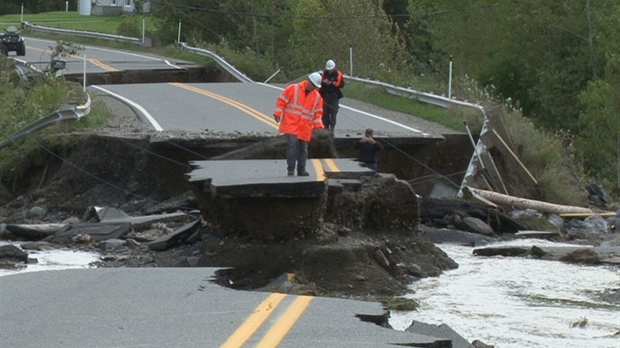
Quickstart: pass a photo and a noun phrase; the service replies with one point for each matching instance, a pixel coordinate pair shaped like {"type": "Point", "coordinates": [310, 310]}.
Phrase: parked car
{"type": "Point", "coordinates": [11, 41]}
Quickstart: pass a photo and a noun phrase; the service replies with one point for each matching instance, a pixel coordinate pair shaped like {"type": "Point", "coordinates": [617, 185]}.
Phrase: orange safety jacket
{"type": "Point", "coordinates": [300, 112]}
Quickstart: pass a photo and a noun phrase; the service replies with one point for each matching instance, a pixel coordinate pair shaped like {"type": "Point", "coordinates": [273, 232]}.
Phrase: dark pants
{"type": "Point", "coordinates": [372, 166]}
{"type": "Point", "coordinates": [330, 110]}
{"type": "Point", "coordinates": [296, 153]}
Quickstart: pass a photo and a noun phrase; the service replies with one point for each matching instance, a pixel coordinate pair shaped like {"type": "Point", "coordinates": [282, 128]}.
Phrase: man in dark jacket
{"type": "Point", "coordinates": [368, 147]}
{"type": "Point", "coordinates": [332, 82]}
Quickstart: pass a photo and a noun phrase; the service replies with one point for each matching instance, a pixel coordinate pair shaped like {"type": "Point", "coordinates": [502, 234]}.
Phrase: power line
{"type": "Point", "coordinates": [332, 17]}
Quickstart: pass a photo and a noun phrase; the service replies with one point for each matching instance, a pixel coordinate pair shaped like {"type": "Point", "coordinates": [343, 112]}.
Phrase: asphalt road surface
{"type": "Point", "coordinates": [176, 307]}
{"type": "Point", "coordinates": [98, 60]}
{"type": "Point", "coordinates": [236, 107]}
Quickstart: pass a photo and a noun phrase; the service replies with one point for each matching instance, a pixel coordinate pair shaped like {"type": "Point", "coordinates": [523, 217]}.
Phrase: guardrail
{"type": "Point", "coordinates": [223, 63]}
{"type": "Point", "coordinates": [64, 113]}
{"type": "Point", "coordinates": [83, 33]}
{"type": "Point", "coordinates": [423, 97]}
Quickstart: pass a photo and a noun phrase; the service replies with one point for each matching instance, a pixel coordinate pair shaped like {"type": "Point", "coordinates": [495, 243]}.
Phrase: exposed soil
{"type": "Point", "coordinates": [130, 167]}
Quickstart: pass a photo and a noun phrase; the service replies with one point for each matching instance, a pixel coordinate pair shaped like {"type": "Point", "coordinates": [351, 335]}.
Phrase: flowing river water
{"type": "Point", "coordinates": [519, 302]}
{"type": "Point", "coordinates": [507, 302]}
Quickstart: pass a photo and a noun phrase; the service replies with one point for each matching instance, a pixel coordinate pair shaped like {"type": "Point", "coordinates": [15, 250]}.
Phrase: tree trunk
{"type": "Point", "coordinates": [522, 203]}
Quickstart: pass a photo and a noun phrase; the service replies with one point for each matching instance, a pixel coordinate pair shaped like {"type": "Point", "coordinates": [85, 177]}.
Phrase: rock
{"type": "Point", "coordinates": [111, 244]}
{"type": "Point", "coordinates": [36, 212]}
{"type": "Point", "coordinates": [500, 251]}
{"type": "Point", "coordinates": [12, 253]}
{"type": "Point", "coordinates": [444, 235]}
{"type": "Point", "coordinates": [440, 331]}
{"type": "Point", "coordinates": [537, 251]}
{"type": "Point", "coordinates": [287, 288]}
{"type": "Point", "coordinates": [596, 224]}
{"type": "Point", "coordinates": [480, 344]}
{"type": "Point", "coordinates": [597, 194]}
{"type": "Point", "coordinates": [585, 256]}
{"type": "Point", "coordinates": [131, 243]}
{"type": "Point", "coordinates": [38, 246]}
{"type": "Point", "coordinates": [558, 222]}
{"type": "Point", "coordinates": [416, 271]}
{"type": "Point", "coordinates": [477, 226]}
{"type": "Point", "coordinates": [523, 214]}
{"type": "Point", "coordinates": [380, 258]}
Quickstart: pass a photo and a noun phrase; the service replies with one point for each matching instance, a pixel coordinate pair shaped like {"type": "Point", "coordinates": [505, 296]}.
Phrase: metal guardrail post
{"type": "Point", "coordinates": [272, 76]}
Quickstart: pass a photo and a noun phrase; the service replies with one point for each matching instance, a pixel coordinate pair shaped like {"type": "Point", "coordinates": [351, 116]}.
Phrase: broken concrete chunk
{"type": "Point", "coordinates": [168, 241]}
{"type": "Point", "coordinates": [35, 231]}
{"type": "Point", "coordinates": [97, 232]}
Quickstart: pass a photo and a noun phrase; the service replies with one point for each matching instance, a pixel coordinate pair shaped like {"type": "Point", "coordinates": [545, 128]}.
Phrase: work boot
{"type": "Point", "coordinates": [302, 173]}
{"type": "Point", "coordinates": [291, 173]}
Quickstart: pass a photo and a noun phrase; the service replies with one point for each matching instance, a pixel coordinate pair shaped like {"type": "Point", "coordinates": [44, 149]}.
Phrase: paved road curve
{"type": "Point", "coordinates": [98, 60]}
{"type": "Point", "coordinates": [176, 307]}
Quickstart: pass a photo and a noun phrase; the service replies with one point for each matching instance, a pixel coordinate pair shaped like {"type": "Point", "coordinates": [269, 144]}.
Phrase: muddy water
{"type": "Point", "coordinates": [518, 302]}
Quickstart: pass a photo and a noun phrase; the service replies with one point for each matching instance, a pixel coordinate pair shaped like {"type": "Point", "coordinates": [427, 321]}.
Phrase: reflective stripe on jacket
{"type": "Point", "coordinates": [300, 112]}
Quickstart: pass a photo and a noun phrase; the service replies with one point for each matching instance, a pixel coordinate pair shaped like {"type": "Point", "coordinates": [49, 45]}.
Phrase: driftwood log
{"type": "Point", "coordinates": [522, 203]}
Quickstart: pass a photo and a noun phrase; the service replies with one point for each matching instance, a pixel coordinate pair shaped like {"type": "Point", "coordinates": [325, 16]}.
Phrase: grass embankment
{"type": "Point", "coordinates": [75, 21]}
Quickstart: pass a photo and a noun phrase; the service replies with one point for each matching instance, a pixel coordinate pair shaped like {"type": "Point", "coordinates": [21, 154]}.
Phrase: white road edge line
{"type": "Point", "coordinates": [172, 65]}
{"type": "Point", "coordinates": [364, 113]}
{"type": "Point", "coordinates": [146, 114]}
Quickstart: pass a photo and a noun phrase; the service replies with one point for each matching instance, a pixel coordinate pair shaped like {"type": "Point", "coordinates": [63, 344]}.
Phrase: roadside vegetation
{"type": "Point", "coordinates": [551, 67]}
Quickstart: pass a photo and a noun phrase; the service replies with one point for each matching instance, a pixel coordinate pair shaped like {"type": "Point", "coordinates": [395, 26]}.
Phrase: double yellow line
{"type": "Point", "coordinates": [101, 65]}
{"type": "Point", "coordinates": [244, 108]}
{"type": "Point", "coordinates": [93, 61]}
{"type": "Point", "coordinates": [280, 328]}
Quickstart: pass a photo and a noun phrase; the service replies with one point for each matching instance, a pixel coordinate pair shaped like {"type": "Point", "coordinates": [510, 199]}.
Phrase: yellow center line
{"type": "Point", "coordinates": [244, 108]}
{"type": "Point", "coordinates": [254, 321]}
{"type": "Point", "coordinates": [318, 168]}
{"type": "Point", "coordinates": [331, 164]}
{"type": "Point", "coordinates": [282, 327]}
{"type": "Point", "coordinates": [92, 60]}
{"type": "Point", "coordinates": [102, 65]}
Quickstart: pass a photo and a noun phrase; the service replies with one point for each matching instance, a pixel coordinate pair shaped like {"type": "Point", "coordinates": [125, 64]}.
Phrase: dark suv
{"type": "Point", "coordinates": [12, 42]}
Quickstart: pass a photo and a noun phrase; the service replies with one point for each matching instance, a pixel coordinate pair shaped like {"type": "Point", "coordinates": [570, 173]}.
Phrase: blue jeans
{"type": "Point", "coordinates": [296, 153]}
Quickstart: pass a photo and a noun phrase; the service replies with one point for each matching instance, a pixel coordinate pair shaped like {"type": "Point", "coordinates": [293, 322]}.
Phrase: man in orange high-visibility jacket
{"type": "Point", "coordinates": [299, 110]}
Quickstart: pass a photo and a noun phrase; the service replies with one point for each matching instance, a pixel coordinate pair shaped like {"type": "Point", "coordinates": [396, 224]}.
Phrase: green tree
{"type": "Point", "coordinates": [325, 29]}
{"type": "Point", "coordinates": [598, 144]}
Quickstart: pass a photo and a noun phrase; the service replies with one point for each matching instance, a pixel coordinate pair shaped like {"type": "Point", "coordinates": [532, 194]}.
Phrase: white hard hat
{"type": "Point", "coordinates": [330, 65]}
{"type": "Point", "coordinates": [315, 78]}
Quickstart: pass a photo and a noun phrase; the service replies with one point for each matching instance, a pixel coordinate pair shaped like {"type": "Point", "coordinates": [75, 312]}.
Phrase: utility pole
{"type": "Point", "coordinates": [450, 80]}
